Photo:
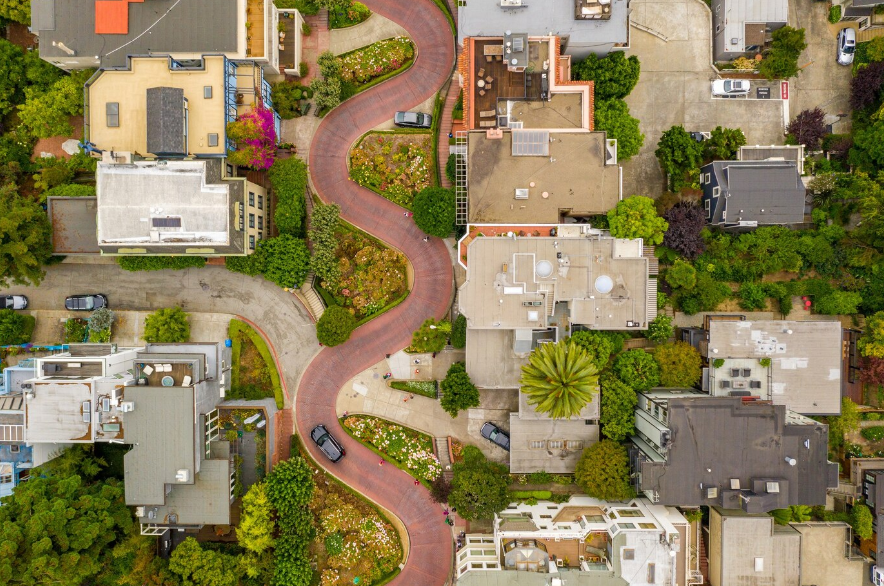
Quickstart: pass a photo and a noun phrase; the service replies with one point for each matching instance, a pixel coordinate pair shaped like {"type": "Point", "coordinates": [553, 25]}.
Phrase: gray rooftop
{"type": "Point", "coordinates": [491, 361]}
{"type": "Point", "coordinates": [805, 371]}
{"type": "Point", "coordinates": [487, 18]}
{"type": "Point", "coordinates": [766, 192]}
{"type": "Point", "coordinates": [741, 12]}
{"type": "Point", "coordinates": [165, 121]}
{"type": "Point", "coordinates": [716, 440]}
{"type": "Point", "coordinates": [73, 225]}
{"type": "Point", "coordinates": [517, 578]}
{"type": "Point", "coordinates": [175, 26]}
{"type": "Point", "coordinates": [737, 540]}
{"type": "Point", "coordinates": [773, 153]}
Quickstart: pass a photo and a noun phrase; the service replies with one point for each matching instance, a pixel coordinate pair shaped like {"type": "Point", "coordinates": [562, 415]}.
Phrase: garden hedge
{"type": "Point", "coordinates": [237, 327]}
{"type": "Point", "coordinates": [289, 180]}
{"type": "Point", "coordinates": [159, 263]}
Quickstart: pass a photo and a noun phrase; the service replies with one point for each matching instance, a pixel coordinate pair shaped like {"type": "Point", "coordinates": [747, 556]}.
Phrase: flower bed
{"type": "Point", "coordinates": [395, 165]}
{"type": "Point", "coordinates": [356, 13]}
{"type": "Point", "coordinates": [427, 388]}
{"type": "Point", "coordinates": [365, 64]}
{"type": "Point", "coordinates": [411, 449]}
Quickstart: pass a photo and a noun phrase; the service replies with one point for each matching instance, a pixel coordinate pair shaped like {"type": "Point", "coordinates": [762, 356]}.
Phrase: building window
{"type": "Point", "coordinates": [708, 176]}
{"type": "Point", "coordinates": [213, 139]}
{"type": "Point", "coordinates": [716, 191]}
{"type": "Point", "coordinates": [260, 202]}
{"type": "Point", "coordinates": [229, 170]}
{"type": "Point", "coordinates": [651, 573]}
{"type": "Point", "coordinates": [628, 553]}
{"type": "Point", "coordinates": [207, 92]}
{"type": "Point", "coordinates": [251, 220]}
{"type": "Point", "coordinates": [706, 204]}
{"type": "Point", "coordinates": [574, 444]}
{"type": "Point", "coordinates": [113, 114]}
{"type": "Point", "coordinates": [555, 444]}
{"type": "Point", "coordinates": [251, 243]}
{"type": "Point", "coordinates": [260, 222]}
{"type": "Point", "coordinates": [251, 199]}
{"type": "Point", "coordinates": [701, 179]}
{"type": "Point", "coordinates": [537, 444]}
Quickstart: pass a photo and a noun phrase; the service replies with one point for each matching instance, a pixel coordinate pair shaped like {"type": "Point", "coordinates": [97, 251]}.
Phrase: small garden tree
{"type": "Point", "coordinates": [636, 217]}
{"type": "Point", "coordinates": [681, 275]}
{"type": "Point", "coordinates": [872, 371]}
{"type": "Point", "coordinates": [614, 75]}
{"type": "Point", "coordinates": [603, 472]}
{"type": "Point", "coordinates": [458, 391]}
{"type": "Point", "coordinates": [839, 303]}
{"type": "Point", "coordinates": [256, 526]}
{"type": "Point", "coordinates": [335, 326]}
{"type": "Point", "coordinates": [612, 116]}
{"type": "Point", "coordinates": [431, 336]}
{"type": "Point", "coordinates": [684, 235]}
{"type": "Point", "coordinates": [326, 92]}
{"type": "Point", "coordinates": [479, 487]}
{"type": "Point", "coordinates": [459, 332]}
{"type": "Point", "coordinates": [324, 223]}
{"type": "Point", "coordinates": [617, 408]}
{"type": "Point", "coordinates": [597, 345]}
{"type": "Point", "coordinates": [781, 61]}
{"type": "Point", "coordinates": [847, 422]}
{"type": "Point", "coordinates": [638, 369]}
{"type": "Point", "coordinates": [24, 239]}
{"type": "Point", "coordinates": [678, 154]}
{"type": "Point", "coordinates": [680, 364]}
{"type": "Point", "coordinates": [203, 567]}
{"type": "Point", "coordinates": [808, 128]}
{"type": "Point", "coordinates": [167, 325]}
{"type": "Point", "coordinates": [255, 136]}
{"type": "Point", "coordinates": [872, 341]}
{"type": "Point", "coordinates": [285, 260]}
{"type": "Point", "coordinates": [48, 114]}
{"type": "Point", "coordinates": [559, 379]}
{"type": "Point", "coordinates": [15, 328]}
{"type": "Point", "coordinates": [866, 85]}
{"type": "Point", "coordinates": [329, 65]}
{"type": "Point", "coordinates": [861, 521]}
{"type": "Point", "coordinates": [434, 209]}
{"type": "Point", "coordinates": [724, 143]}
{"type": "Point", "coordinates": [661, 328]}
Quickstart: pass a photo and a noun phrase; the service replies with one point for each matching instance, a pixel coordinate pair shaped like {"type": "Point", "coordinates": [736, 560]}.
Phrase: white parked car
{"type": "Point", "coordinates": [730, 87]}
{"type": "Point", "coordinates": [846, 45]}
{"type": "Point", "coordinates": [13, 302]}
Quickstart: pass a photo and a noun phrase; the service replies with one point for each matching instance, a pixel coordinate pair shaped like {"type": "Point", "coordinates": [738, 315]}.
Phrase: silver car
{"type": "Point", "coordinates": [730, 87]}
{"type": "Point", "coordinates": [846, 45]}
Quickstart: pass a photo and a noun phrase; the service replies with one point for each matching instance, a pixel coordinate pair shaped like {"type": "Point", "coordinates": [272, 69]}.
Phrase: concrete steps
{"type": "Point", "coordinates": [441, 447]}
{"type": "Point", "coordinates": [311, 297]}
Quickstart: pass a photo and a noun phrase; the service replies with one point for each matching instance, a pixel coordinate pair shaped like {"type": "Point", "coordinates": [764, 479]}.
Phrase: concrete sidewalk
{"type": "Point", "coordinates": [375, 28]}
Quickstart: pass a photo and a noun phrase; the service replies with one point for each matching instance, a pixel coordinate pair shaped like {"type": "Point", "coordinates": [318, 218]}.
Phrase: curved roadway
{"type": "Point", "coordinates": [430, 557]}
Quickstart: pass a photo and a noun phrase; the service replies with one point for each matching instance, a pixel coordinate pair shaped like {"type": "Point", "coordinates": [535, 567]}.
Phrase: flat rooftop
{"type": "Point", "coordinates": [170, 203]}
{"type": "Point", "coordinates": [805, 371]}
{"type": "Point", "coordinates": [73, 225]}
{"type": "Point", "coordinates": [491, 361]}
{"type": "Point", "coordinates": [56, 412]}
{"type": "Point", "coordinates": [170, 26]}
{"type": "Point", "coordinates": [568, 175]}
{"type": "Point", "coordinates": [514, 282]}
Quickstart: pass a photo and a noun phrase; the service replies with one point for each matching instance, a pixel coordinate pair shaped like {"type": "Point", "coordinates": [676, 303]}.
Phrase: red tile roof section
{"type": "Point", "coordinates": [465, 70]}
{"type": "Point", "coordinates": [111, 17]}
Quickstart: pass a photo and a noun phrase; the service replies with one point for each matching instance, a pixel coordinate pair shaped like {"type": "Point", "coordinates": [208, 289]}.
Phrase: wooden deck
{"type": "Point", "coordinates": [505, 84]}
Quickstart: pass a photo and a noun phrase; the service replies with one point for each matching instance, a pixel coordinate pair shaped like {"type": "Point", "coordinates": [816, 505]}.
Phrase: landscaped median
{"type": "Point", "coordinates": [254, 374]}
{"type": "Point", "coordinates": [408, 449]}
{"type": "Point", "coordinates": [368, 66]}
{"type": "Point", "coordinates": [396, 165]}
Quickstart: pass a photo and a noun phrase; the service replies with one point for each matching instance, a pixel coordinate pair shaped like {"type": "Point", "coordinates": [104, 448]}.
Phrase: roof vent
{"type": "Point", "coordinates": [543, 269]}
{"type": "Point", "coordinates": [712, 492]}
{"type": "Point", "coordinates": [521, 193]}
{"type": "Point", "coordinates": [127, 406]}
{"type": "Point", "coordinates": [735, 41]}
{"type": "Point", "coordinates": [182, 475]}
{"type": "Point", "coordinates": [735, 484]}
{"type": "Point", "coordinates": [773, 487]}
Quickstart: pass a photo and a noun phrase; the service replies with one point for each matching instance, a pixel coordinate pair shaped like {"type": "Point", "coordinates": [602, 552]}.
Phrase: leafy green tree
{"type": "Point", "coordinates": [839, 303]}
{"type": "Point", "coordinates": [661, 328]}
{"type": "Point", "coordinates": [24, 239]}
{"type": "Point", "coordinates": [199, 567]}
{"type": "Point", "coordinates": [458, 391]}
{"type": "Point", "coordinates": [603, 472]}
{"type": "Point", "coordinates": [324, 222]}
{"type": "Point", "coordinates": [614, 75]}
{"type": "Point", "coordinates": [167, 325]}
{"type": "Point", "coordinates": [431, 336]}
{"type": "Point", "coordinates": [17, 10]}
{"type": "Point", "coordinates": [335, 326]}
{"type": "Point", "coordinates": [724, 143]}
{"type": "Point", "coordinates": [101, 319]}
{"type": "Point", "coordinates": [250, 265]}
{"type": "Point", "coordinates": [15, 328]}
{"type": "Point", "coordinates": [459, 332]}
{"type": "Point", "coordinates": [705, 296]}
{"type": "Point", "coordinates": [479, 487]}
{"type": "Point", "coordinates": [680, 364]}
{"type": "Point", "coordinates": [599, 346]}
{"type": "Point", "coordinates": [847, 422]}
{"type": "Point", "coordinates": [290, 488]}
{"type": "Point", "coordinates": [636, 217]}
{"type": "Point", "coordinates": [329, 65]}
{"type": "Point", "coordinates": [678, 154]}
{"type": "Point", "coordinates": [638, 369]}
{"type": "Point", "coordinates": [800, 513]}
{"type": "Point", "coordinates": [48, 114]}
{"type": "Point", "coordinates": [292, 567]}
{"type": "Point", "coordinates": [286, 260]}
{"type": "Point", "coordinates": [867, 152]}
{"type": "Point", "coordinates": [39, 74]}
{"type": "Point", "coordinates": [618, 408]}
{"type": "Point", "coordinates": [434, 210]}
{"type": "Point", "coordinates": [752, 296]}
{"type": "Point", "coordinates": [870, 196]}
{"type": "Point", "coordinates": [612, 116]}
{"type": "Point", "coordinates": [289, 180]}
{"type": "Point", "coordinates": [781, 61]}
{"type": "Point", "coordinates": [681, 275]}
{"type": "Point", "coordinates": [326, 92]}
{"type": "Point", "coordinates": [12, 74]}
{"type": "Point", "coordinates": [256, 526]}
{"type": "Point", "coordinates": [872, 341]}
{"type": "Point", "coordinates": [559, 379]}
{"type": "Point", "coordinates": [861, 521]}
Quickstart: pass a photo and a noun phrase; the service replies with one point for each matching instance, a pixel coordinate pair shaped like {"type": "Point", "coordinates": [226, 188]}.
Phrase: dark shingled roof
{"type": "Point", "coordinates": [717, 439]}
{"type": "Point", "coordinates": [165, 121]}
{"type": "Point", "coordinates": [767, 192]}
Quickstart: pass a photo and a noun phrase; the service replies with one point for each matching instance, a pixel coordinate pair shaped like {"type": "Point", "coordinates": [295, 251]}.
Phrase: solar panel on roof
{"type": "Point", "coordinates": [530, 143]}
{"type": "Point", "coordinates": [166, 222]}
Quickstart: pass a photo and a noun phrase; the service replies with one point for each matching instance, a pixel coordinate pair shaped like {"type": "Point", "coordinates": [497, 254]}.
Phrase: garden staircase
{"type": "Point", "coordinates": [704, 559]}
{"type": "Point", "coordinates": [441, 446]}
{"type": "Point", "coordinates": [311, 298]}
{"type": "Point", "coordinates": [653, 262]}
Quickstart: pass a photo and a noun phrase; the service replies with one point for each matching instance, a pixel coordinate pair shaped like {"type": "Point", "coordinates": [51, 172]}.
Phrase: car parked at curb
{"type": "Point", "coordinates": [730, 87]}
{"type": "Point", "coordinates": [87, 302]}
{"type": "Point", "coordinates": [496, 435]}
{"type": "Point", "coordinates": [327, 444]}
{"type": "Point", "coordinates": [846, 45]}
{"type": "Point", "coordinates": [13, 302]}
{"type": "Point", "coordinates": [413, 120]}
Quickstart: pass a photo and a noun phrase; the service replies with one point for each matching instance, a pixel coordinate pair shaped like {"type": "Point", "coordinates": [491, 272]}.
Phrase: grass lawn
{"type": "Point", "coordinates": [254, 373]}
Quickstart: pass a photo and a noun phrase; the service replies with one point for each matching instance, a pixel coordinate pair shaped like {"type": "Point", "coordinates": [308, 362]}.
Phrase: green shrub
{"type": "Point", "coordinates": [718, 363]}
{"type": "Point", "coordinates": [540, 477]}
{"type": "Point", "coordinates": [70, 190]}
{"type": "Point", "coordinates": [873, 434]}
{"type": "Point", "coordinates": [765, 362]}
{"type": "Point", "coordinates": [15, 328]}
{"type": "Point", "coordinates": [872, 416]}
{"type": "Point", "coordinates": [459, 332]}
{"type": "Point", "coordinates": [560, 498]}
{"type": "Point", "coordinates": [285, 260]}
{"type": "Point", "coordinates": [248, 265]}
{"type": "Point", "coordinates": [335, 326]}
{"type": "Point", "coordinates": [75, 330]}
{"type": "Point", "coordinates": [159, 263]}
{"type": "Point", "coordinates": [661, 328]}
{"type": "Point", "coordinates": [524, 494]}
{"type": "Point", "coordinates": [752, 296]}
{"type": "Point", "coordinates": [434, 211]}
{"type": "Point", "coordinates": [834, 14]}
{"type": "Point", "coordinates": [289, 180]}
{"type": "Point", "coordinates": [167, 325]}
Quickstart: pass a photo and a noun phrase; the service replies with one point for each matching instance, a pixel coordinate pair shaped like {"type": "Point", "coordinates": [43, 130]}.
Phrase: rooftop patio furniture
{"type": "Point", "coordinates": [487, 123]}
{"type": "Point", "coordinates": [186, 382]}
{"type": "Point", "coordinates": [148, 369]}
{"type": "Point", "coordinates": [481, 92]}
{"type": "Point", "coordinates": [735, 372]}
{"type": "Point", "coordinates": [481, 73]}
{"type": "Point", "coordinates": [488, 58]}
{"type": "Point", "coordinates": [489, 79]}
{"type": "Point", "coordinates": [755, 384]}
{"type": "Point", "coordinates": [487, 114]}
{"type": "Point", "coordinates": [725, 384]}
{"type": "Point", "coordinates": [168, 381]}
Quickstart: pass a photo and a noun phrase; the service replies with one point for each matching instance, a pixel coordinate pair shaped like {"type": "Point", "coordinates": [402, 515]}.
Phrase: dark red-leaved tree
{"type": "Point", "coordinates": [686, 221]}
{"type": "Point", "coordinates": [808, 128]}
{"type": "Point", "coordinates": [865, 87]}
{"type": "Point", "coordinates": [872, 370]}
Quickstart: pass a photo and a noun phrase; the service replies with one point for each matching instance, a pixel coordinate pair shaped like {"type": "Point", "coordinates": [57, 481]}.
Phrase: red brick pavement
{"type": "Point", "coordinates": [446, 128]}
{"type": "Point", "coordinates": [315, 44]}
{"type": "Point", "coordinates": [430, 556]}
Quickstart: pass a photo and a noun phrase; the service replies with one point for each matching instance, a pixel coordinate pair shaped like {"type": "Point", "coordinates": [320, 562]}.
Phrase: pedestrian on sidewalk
{"type": "Point", "coordinates": [426, 238]}
{"type": "Point", "coordinates": [416, 481]}
{"type": "Point", "coordinates": [381, 463]}
{"type": "Point", "coordinates": [405, 400]}
{"type": "Point", "coordinates": [411, 395]}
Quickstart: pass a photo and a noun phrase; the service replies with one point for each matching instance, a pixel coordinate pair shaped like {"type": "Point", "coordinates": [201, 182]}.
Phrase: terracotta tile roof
{"type": "Point", "coordinates": [465, 70]}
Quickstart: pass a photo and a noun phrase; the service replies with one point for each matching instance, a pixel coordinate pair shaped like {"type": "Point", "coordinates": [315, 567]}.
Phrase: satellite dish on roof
{"type": "Point", "coordinates": [543, 269]}
{"type": "Point", "coordinates": [604, 284]}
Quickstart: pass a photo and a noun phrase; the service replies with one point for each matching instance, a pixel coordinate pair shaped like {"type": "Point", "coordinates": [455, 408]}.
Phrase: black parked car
{"type": "Point", "coordinates": [89, 302]}
{"type": "Point", "coordinates": [13, 302]}
{"type": "Point", "coordinates": [413, 120]}
{"type": "Point", "coordinates": [329, 445]}
{"type": "Point", "coordinates": [495, 434]}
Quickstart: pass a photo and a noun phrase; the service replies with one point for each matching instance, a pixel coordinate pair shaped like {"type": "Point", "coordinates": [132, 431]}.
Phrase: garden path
{"type": "Point", "coordinates": [314, 44]}
{"type": "Point", "coordinates": [375, 28]}
{"type": "Point", "coordinates": [430, 558]}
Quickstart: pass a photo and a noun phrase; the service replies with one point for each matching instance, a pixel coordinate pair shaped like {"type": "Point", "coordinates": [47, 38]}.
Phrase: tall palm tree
{"type": "Point", "coordinates": [559, 379]}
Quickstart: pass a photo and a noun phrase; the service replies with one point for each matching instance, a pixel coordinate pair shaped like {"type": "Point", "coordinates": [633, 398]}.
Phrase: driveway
{"type": "Point", "coordinates": [675, 88]}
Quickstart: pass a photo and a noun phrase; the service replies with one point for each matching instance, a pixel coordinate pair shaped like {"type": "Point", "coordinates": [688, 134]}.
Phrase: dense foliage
{"type": "Point", "coordinates": [638, 369]}
{"type": "Point", "coordinates": [285, 260]}
{"type": "Point", "coordinates": [24, 239]}
{"type": "Point", "coordinates": [396, 165]}
{"type": "Point", "coordinates": [335, 326]}
{"type": "Point", "coordinates": [289, 180]}
{"type": "Point", "coordinates": [167, 325]}
{"type": "Point", "coordinates": [48, 114]}
{"type": "Point", "coordinates": [598, 346]}
{"type": "Point", "coordinates": [254, 134]}
{"type": "Point", "coordinates": [479, 487]}
{"type": "Point", "coordinates": [612, 117]}
{"type": "Point", "coordinates": [459, 332]}
{"type": "Point", "coordinates": [808, 128]}
{"type": "Point", "coordinates": [411, 449]}
{"type": "Point", "coordinates": [617, 408]}
{"type": "Point", "coordinates": [324, 222]}
{"type": "Point", "coordinates": [15, 327]}
{"type": "Point", "coordinates": [158, 263]}
{"type": "Point", "coordinates": [724, 143]}
{"type": "Point", "coordinates": [458, 391]}
{"type": "Point", "coordinates": [603, 471]}
{"type": "Point", "coordinates": [781, 60]}
{"type": "Point", "coordinates": [636, 217]}
{"type": "Point", "coordinates": [434, 209]}
{"type": "Point", "coordinates": [559, 379]}
{"type": "Point", "coordinates": [614, 75]}
{"type": "Point", "coordinates": [660, 329]}
{"type": "Point", "coordinates": [680, 364]}
{"type": "Point", "coordinates": [684, 235]}
{"type": "Point", "coordinates": [678, 154]}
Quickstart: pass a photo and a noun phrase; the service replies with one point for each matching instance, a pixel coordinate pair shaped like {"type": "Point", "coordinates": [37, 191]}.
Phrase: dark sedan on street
{"type": "Point", "coordinates": [329, 445]}
{"type": "Point", "coordinates": [495, 434]}
{"type": "Point", "coordinates": [89, 302]}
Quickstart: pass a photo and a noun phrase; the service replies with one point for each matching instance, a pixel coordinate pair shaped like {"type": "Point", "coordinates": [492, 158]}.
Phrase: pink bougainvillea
{"type": "Point", "coordinates": [255, 136]}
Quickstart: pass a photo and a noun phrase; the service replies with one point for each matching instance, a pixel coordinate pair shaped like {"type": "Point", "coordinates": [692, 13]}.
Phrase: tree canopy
{"type": "Point", "coordinates": [17, 10]}
{"type": "Point", "coordinates": [678, 154]}
{"type": "Point", "coordinates": [15, 327]}
{"type": "Point", "coordinates": [598, 346]}
{"type": "Point", "coordinates": [284, 260]}
{"type": "Point", "coordinates": [559, 379]}
{"type": "Point", "coordinates": [861, 521]}
{"type": "Point", "coordinates": [685, 233]}
{"type": "Point", "coordinates": [458, 391]}
{"type": "Point", "coordinates": [335, 326]}
{"type": "Point", "coordinates": [617, 408]}
{"type": "Point", "coordinates": [167, 325]}
{"type": "Point", "coordinates": [614, 75]}
{"type": "Point", "coordinates": [24, 239]}
{"type": "Point", "coordinates": [680, 364]}
{"type": "Point", "coordinates": [638, 369]}
{"type": "Point", "coordinates": [681, 275]}
{"type": "Point", "coordinates": [603, 471]}
{"type": "Point", "coordinates": [808, 128]}
{"type": "Point", "coordinates": [636, 217]}
{"type": "Point", "coordinates": [479, 487]}
{"type": "Point", "coordinates": [256, 526]}
{"type": "Point", "coordinates": [872, 341]}
{"type": "Point", "coordinates": [781, 60]}
{"type": "Point", "coordinates": [47, 114]}
{"type": "Point", "coordinates": [324, 223]}
{"type": "Point", "coordinates": [724, 143]}
{"type": "Point", "coordinates": [434, 210]}
{"type": "Point", "coordinates": [203, 567]}
{"type": "Point", "coordinates": [612, 116]}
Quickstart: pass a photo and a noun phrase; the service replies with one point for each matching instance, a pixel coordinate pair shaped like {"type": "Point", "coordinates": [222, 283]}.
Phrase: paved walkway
{"type": "Point", "coordinates": [446, 128]}
{"type": "Point", "coordinates": [376, 28]}
{"type": "Point", "coordinates": [315, 44]}
{"type": "Point", "coordinates": [430, 557]}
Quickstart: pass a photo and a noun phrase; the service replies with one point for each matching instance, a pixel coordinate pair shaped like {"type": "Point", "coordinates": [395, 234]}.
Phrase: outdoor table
{"type": "Point", "coordinates": [481, 83]}
{"type": "Point", "coordinates": [168, 381]}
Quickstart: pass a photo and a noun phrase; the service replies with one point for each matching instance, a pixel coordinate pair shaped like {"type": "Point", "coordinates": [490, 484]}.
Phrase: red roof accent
{"type": "Point", "coordinates": [111, 17]}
